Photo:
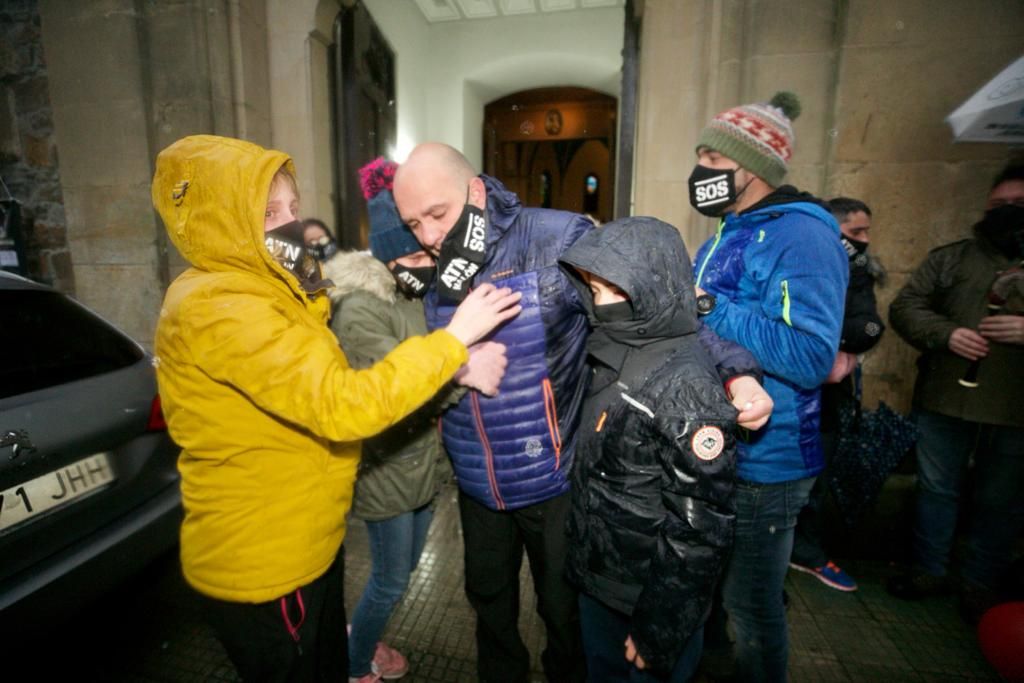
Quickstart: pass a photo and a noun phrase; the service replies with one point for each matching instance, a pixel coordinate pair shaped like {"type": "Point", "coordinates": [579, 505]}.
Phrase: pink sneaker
{"type": "Point", "coordinates": [389, 663]}
{"type": "Point", "coordinates": [371, 677]}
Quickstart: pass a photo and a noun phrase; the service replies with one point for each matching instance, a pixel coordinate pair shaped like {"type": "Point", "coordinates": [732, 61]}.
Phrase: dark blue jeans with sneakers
{"type": "Point", "coordinates": [395, 548]}
{"type": "Point", "coordinates": [943, 448]}
{"type": "Point", "coordinates": [766, 515]}
{"type": "Point", "coordinates": [809, 535]}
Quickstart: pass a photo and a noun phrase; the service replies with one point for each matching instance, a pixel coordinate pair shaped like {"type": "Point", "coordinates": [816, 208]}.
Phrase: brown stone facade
{"type": "Point", "coordinates": [29, 163]}
{"type": "Point", "coordinates": [876, 79]}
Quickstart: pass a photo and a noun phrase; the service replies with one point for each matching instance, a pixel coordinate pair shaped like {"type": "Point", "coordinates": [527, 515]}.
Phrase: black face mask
{"type": "Point", "coordinates": [413, 282]}
{"type": "Point", "coordinates": [853, 247]}
{"type": "Point", "coordinates": [323, 248]}
{"type": "Point", "coordinates": [613, 313]}
{"type": "Point", "coordinates": [713, 190]}
{"type": "Point", "coordinates": [287, 248]}
{"type": "Point", "coordinates": [462, 253]}
{"type": "Point", "coordinates": [1003, 226]}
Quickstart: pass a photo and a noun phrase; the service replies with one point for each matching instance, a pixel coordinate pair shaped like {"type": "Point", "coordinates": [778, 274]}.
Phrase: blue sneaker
{"type": "Point", "coordinates": [830, 575]}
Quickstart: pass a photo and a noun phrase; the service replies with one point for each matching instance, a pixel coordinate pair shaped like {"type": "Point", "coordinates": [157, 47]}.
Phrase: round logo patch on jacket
{"type": "Point", "coordinates": [708, 442]}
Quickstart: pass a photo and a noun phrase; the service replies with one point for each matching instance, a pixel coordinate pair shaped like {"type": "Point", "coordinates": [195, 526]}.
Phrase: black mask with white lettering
{"type": "Point", "coordinates": [462, 254]}
{"type": "Point", "coordinates": [856, 250]}
{"type": "Point", "coordinates": [712, 190]}
{"type": "Point", "coordinates": [413, 282]}
{"type": "Point", "coordinates": [1003, 226]}
{"type": "Point", "coordinates": [286, 246]}
{"type": "Point", "coordinates": [853, 247]}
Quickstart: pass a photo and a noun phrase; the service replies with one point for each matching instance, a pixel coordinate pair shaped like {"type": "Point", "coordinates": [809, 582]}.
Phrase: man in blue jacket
{"type": "Point", "coordinates": [772, 279]}
{"type": "Point", "coordinates": [512, 452]}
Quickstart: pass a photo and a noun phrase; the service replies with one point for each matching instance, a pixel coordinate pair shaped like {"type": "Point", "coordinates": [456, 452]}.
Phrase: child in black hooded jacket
{"type": "Point", "coordinates": [652, 516]}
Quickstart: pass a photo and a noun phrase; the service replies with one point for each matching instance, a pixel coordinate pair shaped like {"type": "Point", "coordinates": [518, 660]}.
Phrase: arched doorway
{"type": "Point", "coordinates": [554, 147]}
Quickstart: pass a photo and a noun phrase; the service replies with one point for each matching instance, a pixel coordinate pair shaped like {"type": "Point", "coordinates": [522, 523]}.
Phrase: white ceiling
{"type": "Point", "coordinates": [458, 10]}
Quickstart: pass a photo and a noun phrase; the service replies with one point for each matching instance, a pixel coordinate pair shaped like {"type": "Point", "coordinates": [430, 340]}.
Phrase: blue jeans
{"type": "Point", "coordinates": [766, 515]}
{"type": "Point", "coordinates": [395, 548]}
{"type": "Point", "coordinates": [943, 449]}
{"type": "Point", "coordinates": [809, 535]}
{"type": "Point", "coordinates": [604, 637]}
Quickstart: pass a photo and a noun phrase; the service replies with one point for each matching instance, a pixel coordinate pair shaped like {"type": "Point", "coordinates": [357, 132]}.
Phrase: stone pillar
{"type": "Point", "coordinates": [703, 56]}
{"type": "Point", "coordinates": [876, 79]}
{"type": "Point", "coordinates": [128, 78]}
{"type": "Point", "coordinates": [299, 34]}
{"type": "Point", "coordinates": [791, 45]}
{"type": "Point", "coordinates": [689, 63]}
{"type": "Point", "coordinates": [100, 113]}
{"type": "Point", "coordinates": [28, 147]}
{"type": "Point", "coordinates": [903, 67]}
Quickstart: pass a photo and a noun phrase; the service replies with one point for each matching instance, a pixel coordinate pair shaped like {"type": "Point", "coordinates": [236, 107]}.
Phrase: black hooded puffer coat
{"type": "Point", "coordinates": [652, 515]}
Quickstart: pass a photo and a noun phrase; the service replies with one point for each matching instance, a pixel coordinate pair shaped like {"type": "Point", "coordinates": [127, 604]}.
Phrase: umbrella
{"type": "Point", "coordinates": [871, 443]}
{"type": "Point", "coordinates": [996, 112]}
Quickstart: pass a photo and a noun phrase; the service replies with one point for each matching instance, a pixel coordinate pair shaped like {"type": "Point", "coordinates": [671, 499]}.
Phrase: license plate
{"type": "Point", "coordinates": [35, 497]}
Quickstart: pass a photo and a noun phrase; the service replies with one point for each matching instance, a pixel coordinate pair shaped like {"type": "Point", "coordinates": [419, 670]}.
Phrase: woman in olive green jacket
{"type": "Point", "coordinates": [403, 468]}
{"type": "Point", "coordinates": [377, 304]}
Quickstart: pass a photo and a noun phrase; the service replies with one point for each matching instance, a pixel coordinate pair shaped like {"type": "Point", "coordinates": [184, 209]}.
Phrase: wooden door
{"type": "Point", "coordinates": [364, 115]}
{"type": "Point", "coordinates": [554, 147]}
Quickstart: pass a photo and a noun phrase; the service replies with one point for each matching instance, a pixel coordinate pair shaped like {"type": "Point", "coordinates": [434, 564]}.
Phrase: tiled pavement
{"type": "Point", "coordinates": [151, 630]}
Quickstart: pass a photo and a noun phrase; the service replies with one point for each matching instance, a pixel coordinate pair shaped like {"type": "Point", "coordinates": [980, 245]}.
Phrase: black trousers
{"type": "Point", "coordinates": [494, 544]}
{"type": "Point", "coordinates": [298, 637]}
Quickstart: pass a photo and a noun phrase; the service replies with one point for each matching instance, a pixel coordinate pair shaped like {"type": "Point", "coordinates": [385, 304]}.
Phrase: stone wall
{"type": "Point", "coordinates": [127, 78]}
{"type": "Point", "coordinates": [876, 79]}
{"type": "Point", "coordinates": [28, 149]}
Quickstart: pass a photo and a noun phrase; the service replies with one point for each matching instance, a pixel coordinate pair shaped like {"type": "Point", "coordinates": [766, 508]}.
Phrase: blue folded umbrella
{"type": "Point", "coordinates": [871, 443]}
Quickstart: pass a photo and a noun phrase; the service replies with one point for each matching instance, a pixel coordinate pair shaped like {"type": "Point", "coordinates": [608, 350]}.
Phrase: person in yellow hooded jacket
{"type": "Point", "coordinates": [267, 411]}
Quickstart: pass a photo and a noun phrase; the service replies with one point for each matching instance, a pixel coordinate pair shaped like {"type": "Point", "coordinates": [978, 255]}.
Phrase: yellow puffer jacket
{"type": "Point", "coordinates": [255, 388]}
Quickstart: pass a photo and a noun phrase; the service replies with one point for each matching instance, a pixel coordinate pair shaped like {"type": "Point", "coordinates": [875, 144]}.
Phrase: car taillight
{"type": "Point", "coordinates": [156, 417]}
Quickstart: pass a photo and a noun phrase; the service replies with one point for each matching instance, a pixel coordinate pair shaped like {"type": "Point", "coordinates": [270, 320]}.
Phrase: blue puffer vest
{"type": "Point", "coordinates": [515, 449]}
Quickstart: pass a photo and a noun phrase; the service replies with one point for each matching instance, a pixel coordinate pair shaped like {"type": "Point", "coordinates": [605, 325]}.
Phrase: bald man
{"type": "Point", "coordinates": [512, 452]}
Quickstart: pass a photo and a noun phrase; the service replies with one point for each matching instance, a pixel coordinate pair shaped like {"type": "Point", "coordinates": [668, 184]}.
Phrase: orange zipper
{"type": "Point", "coordinates": [552, 415]}
{"type": "Point", "coordinates": [488, 453]}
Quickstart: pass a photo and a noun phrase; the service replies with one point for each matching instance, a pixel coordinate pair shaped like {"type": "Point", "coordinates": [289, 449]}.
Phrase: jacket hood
{"type": "Point", "coordinates": [352, 271]}
{"type": "Point", "coordinates": [647, 259]}
{"type": "Point", "coordinates": [503, 207]}
{"type": "Point", "coordinates": [787, 194]}
{"type": "Point", "coordinates": [211, 193]}
{"type": "Point", "coordinates": [787, 199]}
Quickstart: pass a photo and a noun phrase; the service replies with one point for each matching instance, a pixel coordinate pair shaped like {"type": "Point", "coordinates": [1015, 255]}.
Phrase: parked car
{"type": "Point", "coordinates": [89, 488]}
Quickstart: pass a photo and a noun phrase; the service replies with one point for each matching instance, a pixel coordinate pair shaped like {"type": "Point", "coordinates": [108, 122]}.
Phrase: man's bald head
{"type": "Point", "coordinates": [431, 188]}
{"type": "Point", "coordinates": [436, 158]}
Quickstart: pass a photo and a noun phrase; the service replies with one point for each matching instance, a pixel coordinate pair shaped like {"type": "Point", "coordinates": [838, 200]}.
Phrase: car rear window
{"type": "Point", "coordinates": [46, 340]}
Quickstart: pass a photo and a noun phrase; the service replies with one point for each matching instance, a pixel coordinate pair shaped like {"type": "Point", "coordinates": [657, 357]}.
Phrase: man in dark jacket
{"type": "Point", "coordinates": [652, 516]}
{"type": "Point", "coordinates": [862, 329]}
{"type": "Point", "coordinates": [942, 312]}
{"type": "Point", "coordinates": [512, 453]}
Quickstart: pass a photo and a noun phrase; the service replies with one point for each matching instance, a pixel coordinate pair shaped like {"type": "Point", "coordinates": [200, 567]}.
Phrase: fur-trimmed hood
{"type": "Point", "coordinates": [358, 270]}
